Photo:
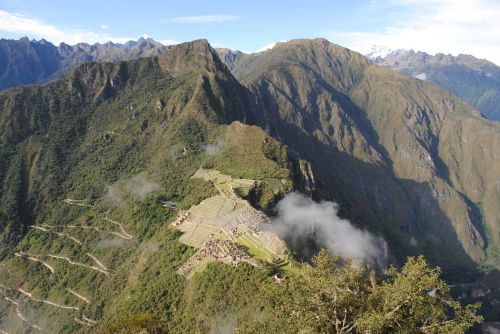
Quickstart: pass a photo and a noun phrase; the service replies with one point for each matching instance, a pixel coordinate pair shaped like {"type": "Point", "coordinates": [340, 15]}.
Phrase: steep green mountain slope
{"type": "Point", "coordinates": [476, 81]}
{"type": "Point", "coordinates": [388, 147]}
{"type": "Point", "coordinates": [25, 62]}
{"type": "Point", "coordinates": [87, 163]}
{"type": "Point", "coordinates": [95, 167]}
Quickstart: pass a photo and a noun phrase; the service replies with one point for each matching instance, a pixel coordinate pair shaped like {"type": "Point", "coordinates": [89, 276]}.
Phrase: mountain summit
{"type": "Point", "coordinates": [378, 51]}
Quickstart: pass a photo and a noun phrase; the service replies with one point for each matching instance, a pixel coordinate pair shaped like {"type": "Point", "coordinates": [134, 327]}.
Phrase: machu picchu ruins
{"type": "Point", "coordinates": [226, 228]}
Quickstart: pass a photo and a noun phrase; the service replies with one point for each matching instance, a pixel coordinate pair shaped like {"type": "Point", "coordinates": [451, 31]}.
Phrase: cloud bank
{"type": "Point", "coordinates": [299, 217]}
{"type": "Point", "coordinates": [110, 243]}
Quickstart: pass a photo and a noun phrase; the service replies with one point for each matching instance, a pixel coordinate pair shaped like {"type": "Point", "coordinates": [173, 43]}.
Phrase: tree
{"type": "Point", "coordinates": [415, 300]}
{"type": "Point", "coordinates": [134, 324]}
{"type": "Point", "coordinates": [334, 296]}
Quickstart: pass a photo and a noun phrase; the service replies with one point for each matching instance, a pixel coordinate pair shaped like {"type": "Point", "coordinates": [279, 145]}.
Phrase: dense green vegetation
{"type": "Point", "coordinates": [120, 139]}
{"type": "Point", "coordinates": [333, 296]}
{"type": "Point", "coordinates": [327, 296]}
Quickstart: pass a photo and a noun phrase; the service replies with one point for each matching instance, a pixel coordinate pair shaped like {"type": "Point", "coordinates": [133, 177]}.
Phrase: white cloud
{"type": "Point", "coordinates": [203, 19]}
{"type": "Point", "coordinates": [169, 41]}
{"type": "Point", "coordinates": [215, 148]}
{"type": "Point", "coordinates": [421, 76]}
{"type": "Point", "coordinates": [448, 26]}
{"type": "Point", "coordinates": [269, 46]}
{"type": "Point", "coordinates": [137, 187]}
{"type": "Point", "coordinates": [299, 218]}
{"type": "Point", "coordinates": [22, 24]}
{"type": "Point", "coordinates": [104, 26]}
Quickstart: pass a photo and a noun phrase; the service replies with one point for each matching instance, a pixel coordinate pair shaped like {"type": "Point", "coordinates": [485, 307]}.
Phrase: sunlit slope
{"type": "Point", "coordinates": [87, 165]}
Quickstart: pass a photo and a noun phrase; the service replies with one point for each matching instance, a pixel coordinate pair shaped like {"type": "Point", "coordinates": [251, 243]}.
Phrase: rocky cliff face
{"type": "Point", "coordinates": [404, 157]}
{"type": "Point", "coordinates": [41, 126]}
{"type": "Point", "coordinates": [86, 166]}
{"type": "Point", "coordinates": [230, 58]}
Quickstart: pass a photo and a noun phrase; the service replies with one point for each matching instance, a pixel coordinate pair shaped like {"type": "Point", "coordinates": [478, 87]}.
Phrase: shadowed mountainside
{"type": "Point", "coordinates": [393, 150]}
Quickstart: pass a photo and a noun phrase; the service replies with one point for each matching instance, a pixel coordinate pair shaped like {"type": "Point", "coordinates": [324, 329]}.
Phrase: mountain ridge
{"type": "Point", "coordinates": [30, 61]}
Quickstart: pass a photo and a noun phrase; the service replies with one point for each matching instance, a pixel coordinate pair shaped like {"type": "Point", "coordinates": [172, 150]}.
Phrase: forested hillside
{"type": "Point", "coordinates": [103, 171]}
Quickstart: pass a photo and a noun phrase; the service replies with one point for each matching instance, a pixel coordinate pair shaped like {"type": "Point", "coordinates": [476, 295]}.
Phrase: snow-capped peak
{"type": "Point", "coordinates": [378, 51]}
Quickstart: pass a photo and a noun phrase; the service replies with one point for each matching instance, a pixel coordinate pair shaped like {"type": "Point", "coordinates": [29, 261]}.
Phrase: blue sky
{"type": "Point", "coordinates": [449, 26]}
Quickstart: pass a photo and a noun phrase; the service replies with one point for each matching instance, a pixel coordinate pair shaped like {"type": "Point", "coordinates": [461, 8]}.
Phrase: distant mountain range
{"type": "Point", "coordinates": [477, 81]}
{"type": "Point", "coordinates": [27, 61]}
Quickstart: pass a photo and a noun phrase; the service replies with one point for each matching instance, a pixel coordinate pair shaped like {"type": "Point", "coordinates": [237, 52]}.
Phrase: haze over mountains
{"type": "Point", "coordinates": [405, 159]}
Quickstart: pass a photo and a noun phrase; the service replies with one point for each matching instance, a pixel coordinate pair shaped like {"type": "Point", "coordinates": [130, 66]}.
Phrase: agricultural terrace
{"type": "Point", "coordinates": [227, 228]}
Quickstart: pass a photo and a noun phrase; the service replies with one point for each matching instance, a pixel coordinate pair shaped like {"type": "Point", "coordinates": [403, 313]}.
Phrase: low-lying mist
{"type": "Point", "coordinates": [213, 149]}
{"type": "Point", "coordinates": [136, 187]}
{"type": "Point", "coordinates": [299, 219]}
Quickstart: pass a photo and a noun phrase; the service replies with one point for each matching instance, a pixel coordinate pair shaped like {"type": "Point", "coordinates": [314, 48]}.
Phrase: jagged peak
{"type": "Point", "coordinates": [378, 51]}
{"type": "Point", "coordinates": [224, 51]}
{"type": "Point", "coordinates": [196, 45]}
{"type": "Point", "coordinates": [189, 56]}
